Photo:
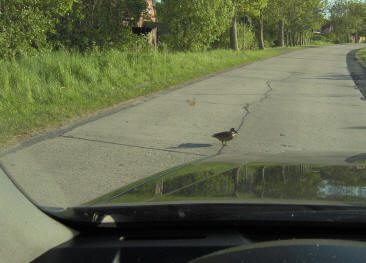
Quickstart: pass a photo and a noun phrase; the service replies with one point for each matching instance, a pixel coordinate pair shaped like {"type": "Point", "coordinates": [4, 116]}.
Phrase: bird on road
{"type": "Point", "coordinates": [191, 102]}
{"type": "Point", "coordinates": [225, 136]}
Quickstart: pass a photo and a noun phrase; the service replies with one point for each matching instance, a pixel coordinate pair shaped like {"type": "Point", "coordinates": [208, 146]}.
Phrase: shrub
{"type": "Point", "coordinates": [318, 37]}
{"type": "Point", "coordinates": [194, 25]}
{"type": "Point", "coordinates": [24, 25]}
{"type": "Point", "coordinates": [106, 24]}
{"type": "Point", "coordinates": [331, 37]}
{"type": "Point", "coordinates": [251, 41]}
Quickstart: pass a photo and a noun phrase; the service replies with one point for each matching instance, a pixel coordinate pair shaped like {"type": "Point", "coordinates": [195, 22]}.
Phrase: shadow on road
{"type": "Point", "coordinates": [356, 158]}
{"type": "Point", "coordinates": [191, 145]}
{"type": "Point", "coordinates": [357, 128]}
{"type": "Point", "coordinates": [332, 77]}
{"type": "Point", "coordinates": [357, 71]}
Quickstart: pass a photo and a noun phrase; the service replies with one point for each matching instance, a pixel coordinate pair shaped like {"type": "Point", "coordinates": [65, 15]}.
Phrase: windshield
{"type": "Point", "coordinates": [133, 102]}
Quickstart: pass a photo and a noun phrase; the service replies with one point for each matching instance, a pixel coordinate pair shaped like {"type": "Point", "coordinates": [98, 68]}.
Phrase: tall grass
{"type": "Point", "coordinates": [50, 88]}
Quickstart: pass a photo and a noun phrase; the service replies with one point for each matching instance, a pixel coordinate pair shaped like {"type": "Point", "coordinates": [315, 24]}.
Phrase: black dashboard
{"type": "Point", "coordinates": [249, 242]}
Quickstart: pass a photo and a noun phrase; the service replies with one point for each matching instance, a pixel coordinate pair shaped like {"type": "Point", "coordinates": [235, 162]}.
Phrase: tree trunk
{"type": "Point", "coordinates": [260, 38]}
{"type": "Point", "coordinates": [233, 35]}
{"type": "Point", "coordinates": [263, 181]}
{"type": "Point", "coordinates": [159, 188]}
{"type": "Point", "coordinates": [281, 37]}
{"type": "Point", "coordinates": [152, 38]}
{"type": "Point", "coordinates": [235, 175]}
{"type": "Point", "coordinates": [290, 39]}
{"type": "Point", "coordinates": [302, 38]}
{"type": "Point", "coordinates": [284, 174]}
{"type": "Point", "coordinates": [244, 33]}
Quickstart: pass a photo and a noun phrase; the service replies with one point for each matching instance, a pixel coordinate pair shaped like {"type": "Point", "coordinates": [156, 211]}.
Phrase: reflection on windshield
{"type": "Point", "coordinates": [256, 181]}
{"type": "Point", "coordinates": [329, 190]}
{"type": "Point", "coordinates": [119, 90]}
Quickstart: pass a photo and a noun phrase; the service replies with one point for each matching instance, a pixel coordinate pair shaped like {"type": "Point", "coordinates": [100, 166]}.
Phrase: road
{"type": "Point", "coordinates": [302, 101]}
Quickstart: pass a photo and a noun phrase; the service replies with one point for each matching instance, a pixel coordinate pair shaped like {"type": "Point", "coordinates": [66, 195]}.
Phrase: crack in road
{"type": "Point", "coordinates": [129, 145]}
{"type": "Point", "coordinates": [247, 105]}
{"type": "Point", "coordinates": [218, 103]}
{"type": "Point", "coordinates": [224, 94]}
{"type": "Point", "coordinates": [247, 111]}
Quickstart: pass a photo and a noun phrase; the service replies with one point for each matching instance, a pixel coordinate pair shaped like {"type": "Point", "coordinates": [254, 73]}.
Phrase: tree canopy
{"type": "Point", "coordinates": [24, 24]}
{"type": "Point", "coordinates": [27, 26]}
{"type": "Point", "coordinates": [348, 18]}
{"type": "Point", "coordinates": [195, 25]}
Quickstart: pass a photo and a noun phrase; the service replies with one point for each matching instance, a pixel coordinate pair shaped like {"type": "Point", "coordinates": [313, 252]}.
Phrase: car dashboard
{"type": "Point", "coordinates": [250, 242]}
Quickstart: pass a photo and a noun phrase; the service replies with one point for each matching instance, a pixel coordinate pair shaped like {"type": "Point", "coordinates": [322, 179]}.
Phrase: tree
{"type": "Point", "coordinates": [357, 14]}
{"type": "Point", "coordinates": [24, 24]}
{"type": "Point", "coordinates": [253, 8]}
{"type": "Point", "coordinates": [103, 23]}
{"type": "Point", "coordinates": [295, 19]}
{"type": "Point", "coordinates": [260, 32]}
{"type": "Point", "coordinates": [194, 25]}
{"type": "Point", "coordinates": [276, 12]}
{"type": "Point", "coordinates": [348, 18]}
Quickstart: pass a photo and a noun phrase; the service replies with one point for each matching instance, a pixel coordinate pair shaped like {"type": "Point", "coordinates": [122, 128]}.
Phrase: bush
{"type": "Point", "coordinates": [331, 37]}
{"type": "Point", "coordinates": [24, 25]}
{"type": "Point", "coordinates": [93, 23]}
{"type": "Point", "coordinates": [251, 41]}
{"type": "Point", "coordinates": [270, 43]}
{"type": "Point", "coordinates": [194, 25]}
{"type": "Point", "coordinates": [318, 37]}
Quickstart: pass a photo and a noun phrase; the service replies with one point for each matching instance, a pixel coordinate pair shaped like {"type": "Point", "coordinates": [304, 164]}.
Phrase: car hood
{"type": "Point", "coordinates": [313, 180]}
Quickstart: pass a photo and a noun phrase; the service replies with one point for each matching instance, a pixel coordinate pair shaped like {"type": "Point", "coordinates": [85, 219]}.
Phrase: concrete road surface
{"type": "Point", "coordinates": [302, 101]}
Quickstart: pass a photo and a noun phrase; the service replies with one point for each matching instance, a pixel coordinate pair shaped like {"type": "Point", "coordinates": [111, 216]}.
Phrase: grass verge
{"type": "Point", "coordinates": [361, 56]}
{"type": "Point", "coordinates": [320, 43]}
{"type": "Point", "coordinates": [48, 89]}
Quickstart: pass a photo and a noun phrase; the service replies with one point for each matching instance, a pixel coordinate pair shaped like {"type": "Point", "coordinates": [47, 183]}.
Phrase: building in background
{"type": "Point", "coordinates": [147, 24]}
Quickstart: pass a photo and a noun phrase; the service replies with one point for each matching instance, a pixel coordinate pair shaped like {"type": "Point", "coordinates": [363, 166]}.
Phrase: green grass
{"type": "Point", "coordinates": [361, 56]}
{"type": "Point", "coordinates": [320, 43]}
{"type": "Point", "coordinates": [48, 89]}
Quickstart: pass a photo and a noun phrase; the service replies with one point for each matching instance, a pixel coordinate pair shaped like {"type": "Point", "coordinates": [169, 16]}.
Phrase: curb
{"type": "Point", "coordinates": [357, 71]}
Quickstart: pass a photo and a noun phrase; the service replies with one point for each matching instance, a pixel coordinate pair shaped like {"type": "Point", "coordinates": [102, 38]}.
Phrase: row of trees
{"type": "Point", "coordinates": [199, 24]}
{"type": "Point", "coordinates": [347, 20]}
{"type": "Point", "coordinates": [202, 24]}
{"type": "Point", "coordinates": [33, 25]}
{"type": "Point", "coordinates": [254, 181]}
